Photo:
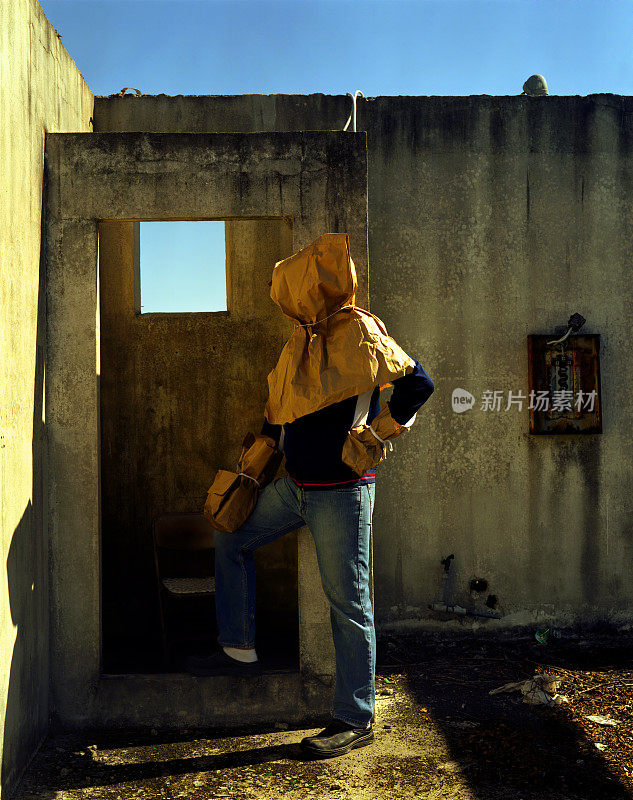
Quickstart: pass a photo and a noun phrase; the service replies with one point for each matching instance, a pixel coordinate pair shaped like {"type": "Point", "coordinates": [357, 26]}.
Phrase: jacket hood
{"type": "Point", "coordinates": [316, 281]}
{"type": "Point", "coordinates": [321, 364]}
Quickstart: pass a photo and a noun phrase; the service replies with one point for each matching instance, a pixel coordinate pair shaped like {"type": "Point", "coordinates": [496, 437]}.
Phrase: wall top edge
{"type": "Point", "coordinates": [194, 136]}
{"type": "Point", "coordinates": [39, 15]}
{"type": "Point", "coordinates": [445, 97]}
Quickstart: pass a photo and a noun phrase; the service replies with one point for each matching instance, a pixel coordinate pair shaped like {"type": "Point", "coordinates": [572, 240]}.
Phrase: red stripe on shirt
{"type": "Point", "coordinates": [335, 483]}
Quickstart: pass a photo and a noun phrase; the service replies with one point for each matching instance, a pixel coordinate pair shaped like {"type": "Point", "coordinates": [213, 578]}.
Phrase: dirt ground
{"type": "Point", "coordinates": [439, 734]}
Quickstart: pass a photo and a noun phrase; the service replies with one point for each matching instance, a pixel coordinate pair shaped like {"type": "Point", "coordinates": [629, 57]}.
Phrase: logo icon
{"type": "Point", "coordinates": [461, 400]}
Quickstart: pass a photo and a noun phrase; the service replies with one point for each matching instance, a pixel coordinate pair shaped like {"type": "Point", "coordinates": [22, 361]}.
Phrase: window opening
{"type": "Point", "coordinates": [182, 266]}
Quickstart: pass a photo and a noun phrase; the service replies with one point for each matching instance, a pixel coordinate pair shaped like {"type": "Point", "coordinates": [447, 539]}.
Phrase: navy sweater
{"type": "Point", "coordinates": [313, 443]}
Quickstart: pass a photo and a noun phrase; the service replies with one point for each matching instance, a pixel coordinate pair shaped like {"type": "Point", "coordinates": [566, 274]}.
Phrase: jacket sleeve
{"type": "Point", "coordinates": [274, 431]}
{"type": "Point", "coordinates": [409, 393]}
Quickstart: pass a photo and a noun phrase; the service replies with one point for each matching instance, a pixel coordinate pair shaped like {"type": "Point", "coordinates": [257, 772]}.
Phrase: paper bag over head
{"type": "Point", "coordinates": [337, 350]}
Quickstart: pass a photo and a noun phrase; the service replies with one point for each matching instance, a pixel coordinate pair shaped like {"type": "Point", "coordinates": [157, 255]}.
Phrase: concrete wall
{"type": "Point", "coordinates": [41, 90]}
{"type": "Point", "coordinates": [489, 218]}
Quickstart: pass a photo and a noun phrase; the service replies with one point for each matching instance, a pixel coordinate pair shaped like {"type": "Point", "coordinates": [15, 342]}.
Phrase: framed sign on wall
{"type": "Point", "coordinates": [564, 384]}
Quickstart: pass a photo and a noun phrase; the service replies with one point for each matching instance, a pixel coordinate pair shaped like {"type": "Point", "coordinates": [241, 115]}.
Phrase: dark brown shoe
{"type": "Point", "coordinates": [336, 739]}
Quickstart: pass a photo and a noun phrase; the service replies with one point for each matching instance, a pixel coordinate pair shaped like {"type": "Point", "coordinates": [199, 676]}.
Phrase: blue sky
{"type": "Point", "coordinates": [382, 47]}
{"type": "Point", "coordinates": [445, 47]}
{"type": "Point", "coordinates": [183, 266]}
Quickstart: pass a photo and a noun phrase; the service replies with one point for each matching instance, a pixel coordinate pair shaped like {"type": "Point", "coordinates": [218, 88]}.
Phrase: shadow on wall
{"type": "Point", "coordinates": [26, 712]}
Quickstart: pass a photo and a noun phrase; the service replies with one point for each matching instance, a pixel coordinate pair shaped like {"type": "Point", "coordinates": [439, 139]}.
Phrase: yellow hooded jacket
{"type": "Point", "coordinates": [337, 350]}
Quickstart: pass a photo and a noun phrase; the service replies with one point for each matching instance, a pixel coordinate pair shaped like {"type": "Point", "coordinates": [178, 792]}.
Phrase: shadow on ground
{"type": "Point", "coordinates": [501, 746]}
{"type": "Point", "coordinates": [439, 734]}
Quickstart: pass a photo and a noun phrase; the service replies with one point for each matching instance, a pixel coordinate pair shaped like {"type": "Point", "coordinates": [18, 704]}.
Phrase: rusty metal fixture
{"type": "Point", "coordinates": [564, 381]}
{"type": "Point", "coordinates": [575, 323]}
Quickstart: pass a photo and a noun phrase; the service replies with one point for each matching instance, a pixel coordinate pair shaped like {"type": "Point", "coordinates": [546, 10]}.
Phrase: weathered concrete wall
{"type": "Point", "coordinates": [319, 182]}
{"type": "Point", "coordinates": [41, 90]}
{"type": "Point", "coordinates": [489, 218]}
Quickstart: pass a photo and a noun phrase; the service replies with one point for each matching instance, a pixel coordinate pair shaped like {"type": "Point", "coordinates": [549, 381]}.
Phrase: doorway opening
{"type": "Point", "coordinates": [178, 390]}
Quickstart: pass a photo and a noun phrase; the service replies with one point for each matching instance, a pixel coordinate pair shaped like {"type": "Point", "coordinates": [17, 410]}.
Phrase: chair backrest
{"type": "Point", "coordinates": [183, 531]}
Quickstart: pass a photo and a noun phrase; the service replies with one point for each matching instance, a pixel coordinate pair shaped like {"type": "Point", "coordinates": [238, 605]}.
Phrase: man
{"type": "Point", "coordinates": [321, 490]}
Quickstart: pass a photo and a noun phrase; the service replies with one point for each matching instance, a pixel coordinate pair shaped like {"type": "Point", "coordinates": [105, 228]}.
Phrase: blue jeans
{"type": "Point", "coordinates": [339, 520]}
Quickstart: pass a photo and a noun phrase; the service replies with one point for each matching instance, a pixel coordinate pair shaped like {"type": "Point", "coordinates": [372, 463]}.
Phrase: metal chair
{"type": "Point", "coordinates": [184, 562]}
